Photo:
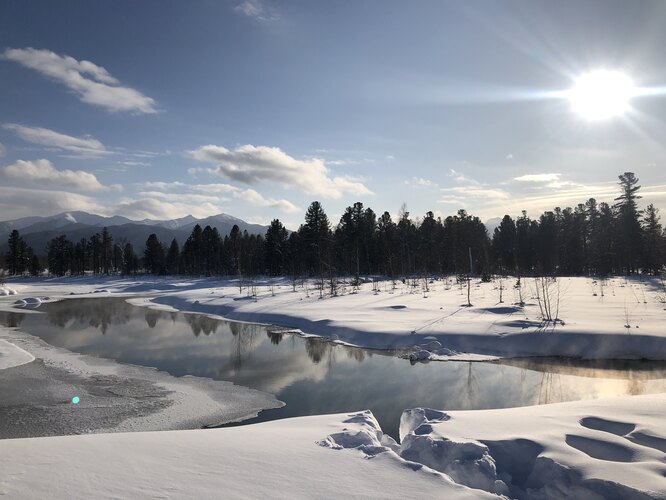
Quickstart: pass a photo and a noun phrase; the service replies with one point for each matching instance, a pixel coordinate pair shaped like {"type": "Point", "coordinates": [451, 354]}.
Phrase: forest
{"type": "Point", "coordinates": [592, 238]}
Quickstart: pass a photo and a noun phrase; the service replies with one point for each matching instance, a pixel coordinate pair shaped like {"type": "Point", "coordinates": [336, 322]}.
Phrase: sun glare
{"type": "Point", "coordinates": [601, 94]}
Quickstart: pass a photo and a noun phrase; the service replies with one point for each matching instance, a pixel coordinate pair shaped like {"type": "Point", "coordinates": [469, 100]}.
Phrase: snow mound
{"type": "Point", "coordinates": [361, 432]}
{"type": "Point", "coordinates": [611, 448]}
{"type": "Point", "coordinates": [5, 291]}
{"type": "Point", "coordinates": [466, 461]}
{"type": "Point", "coordinates": [28, 302]}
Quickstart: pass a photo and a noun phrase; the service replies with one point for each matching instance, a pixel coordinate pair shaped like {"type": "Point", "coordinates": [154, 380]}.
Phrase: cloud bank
{"type": "Point", "coordinates": [43, 172]}
{"type": "Point", "coordinates": [83, 146]}
{"type": "Point", "coordinates": [253, 164]}
{"type": "Point", "coordinates": [91, 83]}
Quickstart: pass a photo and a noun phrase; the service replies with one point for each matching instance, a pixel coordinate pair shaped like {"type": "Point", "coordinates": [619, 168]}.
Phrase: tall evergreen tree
{"type": "Point", "coordinates": [629, 227]}
{"type": "Point", "coordinates": [154, 255]}
{"type": "Point", "coordinates": [275, 247]}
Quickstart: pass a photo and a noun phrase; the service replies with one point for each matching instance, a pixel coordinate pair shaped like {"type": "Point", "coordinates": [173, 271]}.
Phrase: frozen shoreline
{"type": "Point", "coordinates": [114, 397]}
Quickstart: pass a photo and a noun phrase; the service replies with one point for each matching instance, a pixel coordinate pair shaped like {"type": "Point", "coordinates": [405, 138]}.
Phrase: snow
{"type": "Point", "coordinates": [279, 459]}
{"type": "Point", "coordinates": [11, 355]}
{"type": "Point", "coordinates": [4, 291]}
{"type": "Point", "coordinates": [613, 448]}
{"type": "Point", "coordinates": [608, 448]}
{"type": "Point", "coordinates": [615, 318]}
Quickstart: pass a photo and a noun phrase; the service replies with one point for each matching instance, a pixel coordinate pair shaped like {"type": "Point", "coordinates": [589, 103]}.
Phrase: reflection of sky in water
{"type": "Point", "coordinates": [315, 377]}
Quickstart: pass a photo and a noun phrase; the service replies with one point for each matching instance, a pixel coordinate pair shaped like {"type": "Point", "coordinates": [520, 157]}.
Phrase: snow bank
{"type": "Point", "coordinates": [4, 291]}
{"type": "Point", "coordinates": [612, 448]}
{"type": "Point", "coordinates": [12, 355]}
{"type": "Point", "coordinates": [278, 459]}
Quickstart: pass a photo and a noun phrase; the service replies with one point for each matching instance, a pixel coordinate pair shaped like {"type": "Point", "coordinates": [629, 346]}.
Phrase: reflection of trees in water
{"type": "Point", "coordinates": [355, 353]}
{"type": "Point", "coordinates": [199, 323]}
{"type": "Point", "coordinates": [152, 317]}
{"type": "Point", "coordinates": [11, 319]}
{"type": "Point", "coordinates": [317, 348]}
{"type": "Point", "coordinates": [469, 391]}
{"type": "Point", "coordinates": [550, 388]}
{"type": "Point", "coordinates": [98, 313]}
{"type": "Point", "coordinates": [244, 340]}
{"type": "Point", "coordinates": [274, 335]}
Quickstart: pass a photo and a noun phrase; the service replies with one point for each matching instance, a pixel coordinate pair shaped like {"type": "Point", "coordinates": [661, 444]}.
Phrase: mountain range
{"type": "Point", "coordinates": [38, 231]}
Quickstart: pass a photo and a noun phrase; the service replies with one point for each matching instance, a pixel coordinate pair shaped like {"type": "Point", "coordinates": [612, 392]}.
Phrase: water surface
{"type": "Point", "coordinates": [313, 376]}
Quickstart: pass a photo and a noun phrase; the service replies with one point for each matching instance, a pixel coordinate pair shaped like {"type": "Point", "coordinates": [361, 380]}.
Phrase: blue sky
{"type": "Point", "coordinates": [159, 109]}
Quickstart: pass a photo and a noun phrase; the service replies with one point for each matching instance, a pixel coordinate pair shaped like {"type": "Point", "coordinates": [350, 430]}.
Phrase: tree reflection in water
{"type": "Point", "coordinates": [317, 348]}
{"type": "Point", "coordinates": [11, 319]}
{"type": "Point", "coordinates": [201, 324]}
{"type": "Point", "coordinates": [98, 313]}
{"type": "Point", "coordinates": [152, 316]}
{"type": "Point", "coordinates": [274, 335]}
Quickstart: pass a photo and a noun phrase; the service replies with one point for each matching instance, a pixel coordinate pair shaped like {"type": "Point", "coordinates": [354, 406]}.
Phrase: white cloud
{"type": "Point", "coordinates": [256, 10]}
{"type": "Point", "coordinates": [83, 146]}
{"type": "Point", "coordinates": [420, 182]}
{"type": "Point", "coordinates": [192, 193]}
{"type": "Point", "coordinates": [257, 199]}
{"type": "Point", "coordinates": [476, 192]}
{"type": "Point", "coordinates": [509, 156]}
{"type": "Point", "coordinates": [91, 83]}
{"type": "Point", "coordinates": [43, 172]}
{"type": "Point", "coordinates": [161, 209]}
{"type": "Point", "coordinates": [22, 202]}
{"type": "Point", "coordinates": [538, 178]}
{"type": "Point", "coordinates": [252, 164]}
{"type": "Point", "coordinates": [460, 177]}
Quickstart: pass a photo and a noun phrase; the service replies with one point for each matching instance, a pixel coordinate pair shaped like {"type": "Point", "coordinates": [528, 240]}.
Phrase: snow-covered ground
{"type": "Point", "coordinates": [613, 448]}
{"type": "Point", "coordinates": [12, 355]}
{"type": "Point", "coordinates": [616, 318]}
{"type": "Point", "coordinates": [607, 448]}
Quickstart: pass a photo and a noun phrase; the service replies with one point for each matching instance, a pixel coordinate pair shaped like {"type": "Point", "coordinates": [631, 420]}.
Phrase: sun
{"type": "Point", "coordinates": [601, 94]}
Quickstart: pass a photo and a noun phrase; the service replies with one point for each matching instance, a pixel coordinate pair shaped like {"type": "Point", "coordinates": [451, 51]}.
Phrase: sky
{"type": "Point", "coordinates": [256, 108]}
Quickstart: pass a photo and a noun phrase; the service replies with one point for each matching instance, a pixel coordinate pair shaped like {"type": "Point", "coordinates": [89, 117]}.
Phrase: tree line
{"type": "Point", "coordinates": [592, 238]}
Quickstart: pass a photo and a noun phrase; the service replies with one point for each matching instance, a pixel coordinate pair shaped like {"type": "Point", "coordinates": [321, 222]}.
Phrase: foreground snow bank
{"type": "Point", "coordinates": [278, 459]}
{"type": "Point", "coordinates": [613, 448]}
{"type": "Point", "coordinates": [11, 355]}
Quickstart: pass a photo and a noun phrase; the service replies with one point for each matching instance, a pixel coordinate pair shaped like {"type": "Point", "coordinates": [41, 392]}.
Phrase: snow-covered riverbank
{"type": "Point", "coordinates": [616, 318]}
{"type": "Point", "coordinates": [611, 448]}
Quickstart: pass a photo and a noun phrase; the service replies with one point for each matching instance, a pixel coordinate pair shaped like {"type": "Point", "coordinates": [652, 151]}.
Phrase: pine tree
{"type": "Point", "coordinates": [173, 258]}
{"type": "Point", "coordinates": [275, 247]}
{"type": "Point", "coordinates": [154, 255]}
{"type": "Point", "coordinates": [655, 244]}
{"type": "Point", "coordinates": [629, 227]}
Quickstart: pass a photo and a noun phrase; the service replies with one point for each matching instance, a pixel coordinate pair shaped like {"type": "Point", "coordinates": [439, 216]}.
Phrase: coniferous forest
{"type": "Point", "coordinates": [592, 238]}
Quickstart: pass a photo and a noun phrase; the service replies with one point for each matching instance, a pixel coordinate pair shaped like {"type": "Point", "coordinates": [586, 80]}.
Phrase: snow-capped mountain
{"type": "Point", "coordinates": [37, 231]}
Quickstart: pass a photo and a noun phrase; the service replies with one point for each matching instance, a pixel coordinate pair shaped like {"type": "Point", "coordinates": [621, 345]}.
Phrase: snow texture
{"type": "Point", "coordinates": [12, 355]}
